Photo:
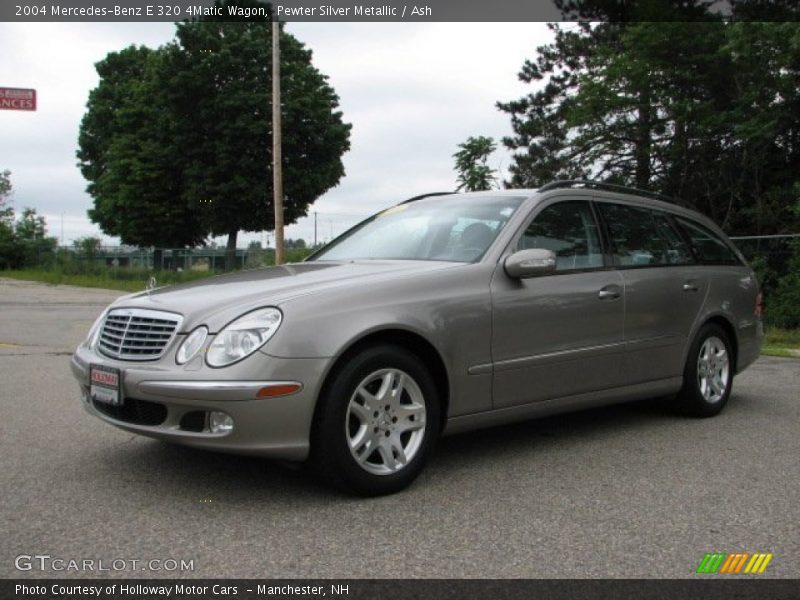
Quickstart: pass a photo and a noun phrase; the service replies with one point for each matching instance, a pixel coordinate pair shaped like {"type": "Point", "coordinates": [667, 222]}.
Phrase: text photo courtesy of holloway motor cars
{"type": "Point", "coordinates": [445, 299]}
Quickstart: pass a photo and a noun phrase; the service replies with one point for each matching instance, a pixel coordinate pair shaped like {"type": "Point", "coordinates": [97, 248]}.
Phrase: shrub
{"type": "Point", "coordinates": [783, 305]}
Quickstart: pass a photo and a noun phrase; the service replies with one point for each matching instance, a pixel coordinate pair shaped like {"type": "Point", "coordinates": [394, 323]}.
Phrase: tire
{"type": "Point", "coordinates": [708, 374]}
{"type": "Point", "coordinates": [376, 423]}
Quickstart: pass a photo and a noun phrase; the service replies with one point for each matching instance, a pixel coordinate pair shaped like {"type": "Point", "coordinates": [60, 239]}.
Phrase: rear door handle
{"type": "Point", "coordinates": [609, 292]}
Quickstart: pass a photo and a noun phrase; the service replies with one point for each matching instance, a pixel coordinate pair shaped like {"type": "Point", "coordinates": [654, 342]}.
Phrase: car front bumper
{"type": "Point", "coordinates": [169, 403]}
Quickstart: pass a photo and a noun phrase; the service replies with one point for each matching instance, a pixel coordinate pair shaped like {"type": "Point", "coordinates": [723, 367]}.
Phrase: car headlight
{"type": "Point", "coordinates": [243, 336]}
{"type": "Point", "coordinates": [191, 345]}
{"type": "Point", "coordinates": [94, 332]}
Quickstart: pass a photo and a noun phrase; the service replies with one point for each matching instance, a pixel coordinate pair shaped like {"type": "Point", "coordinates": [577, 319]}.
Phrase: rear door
{"type": "Point", "coordinates": [560, 334]}
{"type": "Point", "coordinates": [664, 289]}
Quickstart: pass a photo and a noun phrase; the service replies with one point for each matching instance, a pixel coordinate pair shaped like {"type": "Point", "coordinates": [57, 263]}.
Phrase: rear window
{"type": "Point", "coordinates": [708, 246]}
{"type": "Point", "coordinates": [641, 237]}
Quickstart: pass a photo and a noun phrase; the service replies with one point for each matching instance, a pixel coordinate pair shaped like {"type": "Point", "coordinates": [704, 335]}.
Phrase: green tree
{"type": "Point", "coordinates": [127, 152]}
{"type": "Point", "coordinates": [87, 246]}
{"type": "Point", "coordinates": [783, 305]}
{"type": "Point", "coordinates": [6, 210]}
{"type": "Point", "coordinates": [705, 111]}
{"type": "Point", "coordinates": [176, 142]}
{"type": "Point", "coordinates": [31, 226]}
{"type": "Point", "coordinates": [34, 247]}
{"type": "Point", "coordinates": [540, 143]}
{"type": "Point", "coordinates": [222, 82]}
{"type": "Point", "coordinates": [7, 249]}
{"type": "Point", "coordinates": [471, 163]}
{"type": "Point", "coordinates": [299, 243]}
{"type": "Point", "coordinates": [255, 255]}
{"type": "Point", "coordinates": [617, 101]}
{"type": "Point", "coordinates": [762, 155]}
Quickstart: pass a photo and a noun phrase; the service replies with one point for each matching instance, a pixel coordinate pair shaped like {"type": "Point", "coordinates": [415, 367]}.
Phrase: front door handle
{"type": "Point", "coordinates": [690, 287]}
{"type": "Point", "coordinates": [609, 292]}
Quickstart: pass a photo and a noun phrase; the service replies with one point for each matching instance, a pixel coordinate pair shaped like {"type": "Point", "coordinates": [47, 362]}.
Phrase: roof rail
{"type": "Point", "coordinates": [611, 187]}
{"type": "Point", "coordinates": [421, 196]}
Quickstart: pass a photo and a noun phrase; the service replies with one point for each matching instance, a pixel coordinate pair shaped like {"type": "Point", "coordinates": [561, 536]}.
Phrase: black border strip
{"type": "Point", "coordinates": [338, 11]}
{"type": "Point", "coordinates": [708, 587]}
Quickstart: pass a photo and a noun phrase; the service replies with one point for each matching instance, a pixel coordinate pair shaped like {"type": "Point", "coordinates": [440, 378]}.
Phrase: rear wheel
{"type": "Point", "coordinates": [708, 375]}
{"type": "Point", "coordinates": [376, 423]}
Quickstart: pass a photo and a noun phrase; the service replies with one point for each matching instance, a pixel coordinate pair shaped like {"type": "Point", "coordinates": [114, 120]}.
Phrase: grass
{"type": "Point", "coordinates": [782, 342]}
{"type": "Point", "coordinates": [126, 280]}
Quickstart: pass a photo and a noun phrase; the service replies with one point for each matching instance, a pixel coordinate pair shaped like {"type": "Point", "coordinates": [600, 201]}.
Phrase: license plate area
{"type": "Point", "coordinates": [105, 384]}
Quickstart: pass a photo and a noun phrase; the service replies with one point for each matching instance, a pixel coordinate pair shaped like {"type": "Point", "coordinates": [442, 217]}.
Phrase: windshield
{"type": "Point", "coordinates": [450, 228]}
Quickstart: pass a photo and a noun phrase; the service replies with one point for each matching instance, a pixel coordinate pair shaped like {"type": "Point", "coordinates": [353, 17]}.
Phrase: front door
{"type": "Point", "coordinates": [559, 334]}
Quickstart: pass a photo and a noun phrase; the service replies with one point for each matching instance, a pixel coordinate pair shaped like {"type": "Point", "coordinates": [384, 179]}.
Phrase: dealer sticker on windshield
{"type": "Point", "coordinates": [104, 384]}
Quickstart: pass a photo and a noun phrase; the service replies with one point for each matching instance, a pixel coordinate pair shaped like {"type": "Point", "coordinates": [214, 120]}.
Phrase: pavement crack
{"type": "Point", "coordinates": [130, 439]}
{"type": "Point", "coordinates": [56, 353]}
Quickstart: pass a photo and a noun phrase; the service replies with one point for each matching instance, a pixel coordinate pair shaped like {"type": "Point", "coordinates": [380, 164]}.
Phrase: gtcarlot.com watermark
{"type": "Point", "coordinates": [46, 562]}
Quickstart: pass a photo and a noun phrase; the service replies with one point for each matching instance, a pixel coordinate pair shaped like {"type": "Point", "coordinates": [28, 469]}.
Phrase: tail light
{"type": "Point", "coordinates": [759, 308]}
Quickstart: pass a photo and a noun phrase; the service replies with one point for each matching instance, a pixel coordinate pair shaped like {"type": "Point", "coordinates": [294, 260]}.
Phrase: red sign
{"type": "Point", "coordinates": [17, 99]}
{"type": "Point", "coordinates": [105, 378]}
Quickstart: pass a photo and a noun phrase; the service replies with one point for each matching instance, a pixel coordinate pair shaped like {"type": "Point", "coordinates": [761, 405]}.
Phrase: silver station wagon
{"type": "Point", "coordinates": [443, 314]}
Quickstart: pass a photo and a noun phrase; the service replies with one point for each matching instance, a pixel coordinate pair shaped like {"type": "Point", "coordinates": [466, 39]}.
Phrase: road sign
{"type": "Point", "coordinates": [17, 99]}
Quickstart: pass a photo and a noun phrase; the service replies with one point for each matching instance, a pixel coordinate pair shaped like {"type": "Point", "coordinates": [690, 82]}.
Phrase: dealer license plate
{"type": "Point", "coordinates": [105, 384]}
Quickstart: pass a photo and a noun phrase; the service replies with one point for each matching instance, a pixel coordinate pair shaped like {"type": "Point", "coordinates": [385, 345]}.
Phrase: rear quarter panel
{"type": "Point", "coordinates": [732, 292]}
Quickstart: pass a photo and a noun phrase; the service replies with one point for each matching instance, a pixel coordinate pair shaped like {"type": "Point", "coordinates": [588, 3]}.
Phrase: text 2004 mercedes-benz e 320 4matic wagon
{"type": "Point", "coordinates": [442, 314]}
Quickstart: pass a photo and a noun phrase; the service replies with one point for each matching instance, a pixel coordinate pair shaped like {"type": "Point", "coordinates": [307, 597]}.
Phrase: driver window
{"type": "Point", "coordinates": [569, 230]}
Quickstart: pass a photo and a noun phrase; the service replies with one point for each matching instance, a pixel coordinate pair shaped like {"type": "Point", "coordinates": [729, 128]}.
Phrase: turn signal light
{"type": "Point", "coordinates": [759, 309]}
{"type": "Point", "coordinates": [284, 389]}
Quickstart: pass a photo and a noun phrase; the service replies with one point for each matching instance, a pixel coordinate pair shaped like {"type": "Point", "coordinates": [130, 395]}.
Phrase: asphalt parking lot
{"type": "Point", "coordinates": [628, 491]}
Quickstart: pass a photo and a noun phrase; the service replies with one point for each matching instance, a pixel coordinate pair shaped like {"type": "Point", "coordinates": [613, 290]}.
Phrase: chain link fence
{"type": "Point", "coordinates": [774, 251]}
{"type": "Point", "coordinates": [769, 255]}
{"type": "Point", "coordinates": [773, 257]}
{"type": "Point", "coordinates": [776, 261]}
{"type": "Point", "coordinates": [111, 258]}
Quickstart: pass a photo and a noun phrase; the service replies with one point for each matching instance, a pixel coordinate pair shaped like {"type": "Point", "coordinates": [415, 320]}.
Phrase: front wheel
{"type": "Point", "coordinates": [376, 423]}
{"type": "Point", "coordinates": [708, 375]}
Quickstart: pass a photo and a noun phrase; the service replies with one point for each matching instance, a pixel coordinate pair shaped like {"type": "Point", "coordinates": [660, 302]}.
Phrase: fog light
{"type": "Point", "coordinates": [220, 422]}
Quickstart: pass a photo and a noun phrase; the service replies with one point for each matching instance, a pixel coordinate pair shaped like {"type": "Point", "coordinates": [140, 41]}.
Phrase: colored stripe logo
{"type": "Point", "coordinates": [720, 563]}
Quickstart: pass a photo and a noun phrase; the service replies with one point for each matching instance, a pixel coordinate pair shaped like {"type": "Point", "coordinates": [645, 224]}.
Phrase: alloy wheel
{"type": "Point", "coordinates": [385, 421]}
{"type": "Point", "coordinates": [713, 369]}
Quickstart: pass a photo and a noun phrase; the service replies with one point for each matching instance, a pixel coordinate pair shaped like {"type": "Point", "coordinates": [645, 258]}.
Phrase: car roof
{"type": "Point", "coordinates": [619, 194]}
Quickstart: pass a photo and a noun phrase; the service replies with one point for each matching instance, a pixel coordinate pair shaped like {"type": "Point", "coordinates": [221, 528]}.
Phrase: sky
{"type": "Point", "coordinates": [413, 92]}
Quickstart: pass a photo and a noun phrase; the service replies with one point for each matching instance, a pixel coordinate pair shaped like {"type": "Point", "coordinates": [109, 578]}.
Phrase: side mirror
{"type": "Point", "coordinates": [530, 263]}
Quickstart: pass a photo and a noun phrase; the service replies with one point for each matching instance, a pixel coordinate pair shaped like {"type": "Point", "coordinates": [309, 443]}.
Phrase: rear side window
{"type": "Point", "coordinates": [569, 230]}
{"type": "Point", "coordinates": [641, 237]}
{"type": "Point", "coordinates": [677, 250]}
{"type": "Point", "coordinates": [708, 246]}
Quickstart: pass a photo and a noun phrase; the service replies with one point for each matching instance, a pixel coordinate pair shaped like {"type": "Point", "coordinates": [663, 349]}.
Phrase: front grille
{"type": "Point", "coordinates": [137, 412]}
{"type": "Point", "coordinates": [137, 334]}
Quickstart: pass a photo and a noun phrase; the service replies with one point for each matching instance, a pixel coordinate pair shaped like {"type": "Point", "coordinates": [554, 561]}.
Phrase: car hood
{"type": "Point", "coordinates": [216, 301]}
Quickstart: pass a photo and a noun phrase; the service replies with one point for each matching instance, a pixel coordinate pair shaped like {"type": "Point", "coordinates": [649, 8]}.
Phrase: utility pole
{"type": "Point", "coordinates": [277, 162]}
{"type": "Point", "coordinates": [315, 229]}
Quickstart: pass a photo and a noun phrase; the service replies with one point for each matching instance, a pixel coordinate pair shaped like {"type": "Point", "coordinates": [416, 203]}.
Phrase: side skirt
{"type": "Point", "coordinates": [490, 418]}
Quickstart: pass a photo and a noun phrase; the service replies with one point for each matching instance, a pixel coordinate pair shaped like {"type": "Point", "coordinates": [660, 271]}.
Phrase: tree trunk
{"type": "Point", "coordinates": [643, 140]}
{"type": "Point", "coordinates": [230, 251]}
{"type": "Point", "coordinates": [678, 158]}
